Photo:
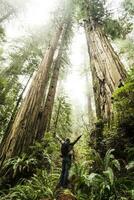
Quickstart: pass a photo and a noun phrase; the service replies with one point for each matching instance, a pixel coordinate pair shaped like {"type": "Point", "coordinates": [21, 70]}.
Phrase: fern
{"type": "Point", "coordinates": [130, 165]}
{"type": "Point", "coordinates": [41, 185]}
{"type": "Point", "coordinates": [19, 164]}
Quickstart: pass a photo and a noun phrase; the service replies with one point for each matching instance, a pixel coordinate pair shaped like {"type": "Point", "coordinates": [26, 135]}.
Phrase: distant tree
{"type": "Point", "coordinates": [8, 9]}
{"type": "Point", "coordinates": [22, 63]}
{"type": "Point", "coordinates": [59, 62]}
{"type": "Point", "coordinates": [61, 122]}
{"type": "Point", "coordinates": [128, 5]}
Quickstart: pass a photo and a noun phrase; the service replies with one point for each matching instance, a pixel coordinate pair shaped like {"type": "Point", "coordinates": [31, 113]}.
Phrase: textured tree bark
{"type": "Point", "coordinates": [9, 126]}
{"type": "Point", "coordinates": [89, 103]}
{"type": "Point", "coordinates": [23, 132]}
{"type": "Point", "coordinates": [45, 118]}
{"type": "Point", "coordinates": [17, 105]}
{"type": "Point", "coordinates": [106, 68]}
{"type": "Point", "coordinates": [57, 116]}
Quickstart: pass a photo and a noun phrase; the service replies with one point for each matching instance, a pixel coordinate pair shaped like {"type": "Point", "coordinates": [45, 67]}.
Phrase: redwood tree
{"type": "Point", "coordinates": [107, 69]}
{"type": "Point", "coordinates": [45, 117]}
{"type": "Point", "coordinates": [23, 132]}
{"type": "Point", "coordinates": [106, 66]}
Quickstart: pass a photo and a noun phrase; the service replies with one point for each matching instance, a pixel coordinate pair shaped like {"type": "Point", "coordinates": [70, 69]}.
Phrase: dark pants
{"type": "Point", "coordinates": [66, 165]}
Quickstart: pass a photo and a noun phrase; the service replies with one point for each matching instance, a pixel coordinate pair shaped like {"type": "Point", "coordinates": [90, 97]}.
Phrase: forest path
{"type": "Point", "coordinates": [65, 195]}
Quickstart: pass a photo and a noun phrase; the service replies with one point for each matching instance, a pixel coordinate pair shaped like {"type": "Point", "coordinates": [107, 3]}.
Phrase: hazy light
{"type": "Point", "coordinates": [36, 13]}
{"type": "Point", "coordinates": [39, 11]}
{"type": "Point", "coordinates": [75, 84]}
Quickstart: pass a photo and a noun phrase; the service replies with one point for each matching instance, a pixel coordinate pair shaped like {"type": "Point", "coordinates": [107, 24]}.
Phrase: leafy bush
{"type": "Point", "coordinates": [104, 184]}
{"type": "Point", "coordinates": [20, 164]}
{"type": "Point", "coordinates": [24, 166]}
{"type": "Point", "coordinates": [124, 108]}
{"type": "Point", "coordinates": [41, 185]}
{"type": "Point", "coordinates": [78, 175]}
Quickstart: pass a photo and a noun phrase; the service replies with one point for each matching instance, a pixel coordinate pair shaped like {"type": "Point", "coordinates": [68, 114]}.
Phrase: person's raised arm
{"type": "Point", "coordinates": [73, 143]}
{"type": "Point", "coordinates": [58, 138]}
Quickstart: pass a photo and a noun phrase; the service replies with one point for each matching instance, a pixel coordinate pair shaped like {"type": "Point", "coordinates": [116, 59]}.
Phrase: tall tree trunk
{"type": "Point", "coordinates": [9, 126]}
{"type": "Point", "coordinates": [23, 132]}
{"type": "Point", "coordinates": [17, 105]}
{"type": "Point", "coordinates": [57, 116]}
{"type": "Point", "coordinates": [46, 114]}
{"type": "Point", "coordinates": [107, 69]}
{"type": "Point", "coordinates": [89, 102]}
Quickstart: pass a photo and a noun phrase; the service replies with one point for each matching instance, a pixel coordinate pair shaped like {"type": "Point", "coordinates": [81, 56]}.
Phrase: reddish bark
{"type": "Point", "coordinates": [107, 69]}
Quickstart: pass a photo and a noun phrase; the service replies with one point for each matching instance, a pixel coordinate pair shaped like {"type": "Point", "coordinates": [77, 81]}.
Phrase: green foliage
{"type": "Point", "coordinates": [43, 152]}
{"type": "Point", "coordinates": [20, 164]}
{"type": "Point", "coordinates": [117, 28]}
{"type": "Point", "coordinates": [22, 63]}
{"type": "Point", "coordinates": [91, 9]}
{"type": "Point", "coordinates": [103, 177]}
{"type": "Point", "coordinates": [128, 5]}
{"type": "Point", "coordinates": [96, 138]}
{"type": "Point", "coordinates": [130, 165]}
{"type": "Point", "coordinates": [104, 184]}
{"type": "Point", "coordinates": [127, 50]}
{"type": "Point", "coordinates": [62, 118]}
{"type": "Point", "coordinates": [3, 84]}
{"type": "Point", "coordinates": [96, 10]}
{"type": "Point", "coordinates": [112, 28]}
{"type": "Point", "coordinates": [2, 33]}
{"type": "Point", "coordinates": [79, 173]}
{"type": "Point", "coordinates": [120, 135]}
{"type": "Point", "coordinates": [9, 9]}
{"type": "Point", "coordinates": [108, 161]}
{"type": "Point", "coordinates": [2, 42]}
{"type": "Point", "coordinates": [10, 88]}
{"type": "Point", "coordinates": [34, 174]}
{"type": "Point", "coordinates": [25, 59]}
{"type": "Point", "coordinates": [41, 185]}
{"type": "Point", "coordinates": [123, 102]}
{"type": "Point", "coordinates": [130, 152]}
{"type": "Point", "coordinates": [41, 156]}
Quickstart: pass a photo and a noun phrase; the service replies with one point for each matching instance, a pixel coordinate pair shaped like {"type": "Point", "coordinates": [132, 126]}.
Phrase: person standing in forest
{"type": "Point", "coordinates": [66, 154]}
